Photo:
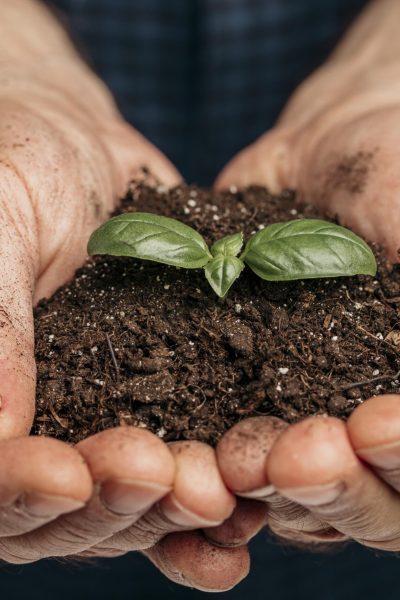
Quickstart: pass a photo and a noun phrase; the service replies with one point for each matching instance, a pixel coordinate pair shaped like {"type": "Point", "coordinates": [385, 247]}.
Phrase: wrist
{"type": "Point", "coordinates": [363, 72]}
{"type": "Point", "coordinates": [29, 33]}
{"type": "Point", "coordinates": [41, 60]}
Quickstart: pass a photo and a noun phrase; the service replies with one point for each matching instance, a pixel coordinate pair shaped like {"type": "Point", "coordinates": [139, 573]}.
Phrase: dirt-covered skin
{"type": "Point", "coordinates": [128, 342]}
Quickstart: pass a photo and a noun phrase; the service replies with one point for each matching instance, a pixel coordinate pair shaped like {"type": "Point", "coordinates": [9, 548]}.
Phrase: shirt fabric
{"type": "Point", "coordinates": [204, 78]}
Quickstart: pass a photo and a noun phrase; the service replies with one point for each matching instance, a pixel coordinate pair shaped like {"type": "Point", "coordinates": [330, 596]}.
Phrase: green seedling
{"type": "Point", "coordinates": [299, 249]}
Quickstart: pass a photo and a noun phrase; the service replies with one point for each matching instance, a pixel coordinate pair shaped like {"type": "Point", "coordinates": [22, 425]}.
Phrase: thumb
{"type": "Point", "coordinates": [131, 152]}
{"type": "Point", "coordinates": [267, 162]}
{"type": "Point", "coordinates": [17, 265]}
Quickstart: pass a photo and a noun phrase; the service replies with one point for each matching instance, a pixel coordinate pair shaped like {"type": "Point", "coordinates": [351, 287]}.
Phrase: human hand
{"type": "Point", "coordinates": [337, 144]}
{"type": "Point", "coordinates": [66, 157]}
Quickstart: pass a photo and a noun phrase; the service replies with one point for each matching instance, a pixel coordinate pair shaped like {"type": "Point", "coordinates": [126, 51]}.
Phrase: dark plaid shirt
{"type": "Point", "coordinates": [203, 78]}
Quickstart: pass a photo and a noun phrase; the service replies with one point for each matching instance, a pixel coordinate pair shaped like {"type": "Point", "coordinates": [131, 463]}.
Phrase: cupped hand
{"type": "Point", "coordinates": [66, 156]}
{"type": "Point", "coordinates": [337, 143]}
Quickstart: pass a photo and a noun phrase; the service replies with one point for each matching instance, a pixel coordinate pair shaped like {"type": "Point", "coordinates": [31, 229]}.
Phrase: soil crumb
{"type": "Point", "coordinates": [351, 172]}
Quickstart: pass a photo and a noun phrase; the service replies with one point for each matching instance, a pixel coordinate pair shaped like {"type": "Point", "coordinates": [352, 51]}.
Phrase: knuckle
{"type": "Point", "coordinates": [317, 539]}
{"type": "Point", "coordinates": [390, 544]}
{"type": "Point", "coordinates": [100, 551]}
{"type": "Point", "coordinates": [351, 515]}
{"type": "Point", "coordinates": [143, 534]}
{"type": "Point", "coordinates": [15, 553]}
{"type": "Point", "coordinates": [390, 476]}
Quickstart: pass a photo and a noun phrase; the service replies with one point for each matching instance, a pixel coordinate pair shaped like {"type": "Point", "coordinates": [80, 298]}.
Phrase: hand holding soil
{"type": "Point", "coordinates": [337, 144]}
{"type": "Point", "coordinates": [66, 157]}
{"type": "Point", "coordinates": [108, 482]}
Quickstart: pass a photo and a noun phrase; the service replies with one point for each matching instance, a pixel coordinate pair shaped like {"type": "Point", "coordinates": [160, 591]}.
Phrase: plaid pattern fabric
{"type": "Point", "coordinates": [203, 78]}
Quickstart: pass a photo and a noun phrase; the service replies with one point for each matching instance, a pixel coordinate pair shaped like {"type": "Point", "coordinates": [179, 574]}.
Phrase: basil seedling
{"type": "Point", "coordinates": [300, 249]}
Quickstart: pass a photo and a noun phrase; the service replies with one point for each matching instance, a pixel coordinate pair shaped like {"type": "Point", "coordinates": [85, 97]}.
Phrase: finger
{"type": "Point", "coordinates": [40, 479]}
{"type": "Point", "coordinates": [242, 454]}
{"type": "Point", "coordinates": [374, 431]}
{"type": "Point", "coordinates": [131, 152]}
{"type": "Point", "coordinates": [131, 468]}
{"type": "Point", "coordinates": [189, 560]}
{"type": "Point", "coordinates": [199, 498]}
{"type": "Point", "coordinates": [314, 464]}
{"type": "Point", "coordinates": [267, 162]}
{"type": "Point", "coordinates": [248, 518]}
{"type": "Point", "coordinates": [19, 258]}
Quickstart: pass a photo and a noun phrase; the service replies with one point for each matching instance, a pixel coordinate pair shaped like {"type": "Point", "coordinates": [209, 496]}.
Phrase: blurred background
{"type": "Point", "coordinates": [204, 78]}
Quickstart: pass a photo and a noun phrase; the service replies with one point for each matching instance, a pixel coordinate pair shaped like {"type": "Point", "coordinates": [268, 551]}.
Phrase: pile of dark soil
{"type": "Point", "coordinates": [128, 342]}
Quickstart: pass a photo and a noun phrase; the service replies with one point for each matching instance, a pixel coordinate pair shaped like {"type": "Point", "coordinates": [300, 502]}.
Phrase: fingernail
{"type": "Point", "coordinates": [259, 494]}
{"type": "Point", "coordinates": [385, 457]}
{"type": "Point", "coordinates": [180, 515]}
{"type": "Point", "coordinates": [46, 505]}
{"type": "Point", "coordinates": [128, 497]}
{"type": "Point", "coordinates": [315, 495]}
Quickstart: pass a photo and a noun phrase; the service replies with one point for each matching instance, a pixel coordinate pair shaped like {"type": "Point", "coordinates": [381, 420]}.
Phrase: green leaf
{"type": "Point", "coordinates": [230, 245]}
{"type": "Point", "coordinates": [151, 237]}
{"type": "Point", "coordinates": [222, 272]}
{"type": "Point", "coordinates": [307, 249]}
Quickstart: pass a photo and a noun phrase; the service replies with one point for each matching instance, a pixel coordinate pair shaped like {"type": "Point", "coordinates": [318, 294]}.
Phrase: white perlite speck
{"type": "Point", "coordinates": [283, 370]}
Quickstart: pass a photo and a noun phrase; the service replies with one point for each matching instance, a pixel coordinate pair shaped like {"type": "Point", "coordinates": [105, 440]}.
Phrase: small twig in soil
{"type": "Point", "coordinates": [112, 354]}
{"type": "Point", "coordinates": [371, 335]}
{"type": "Point", "coordinates": [394, 300]}
{"type": "Point", "coordinates": [62, 422]}
{"type": "Point", "coordinates": [373, 380]}
{"type": "Point", "coordinates": [303, 381]}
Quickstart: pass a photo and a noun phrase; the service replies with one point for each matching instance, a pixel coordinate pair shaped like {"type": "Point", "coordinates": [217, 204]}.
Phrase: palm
{"type": "Point", "coordinates": [63, 176]}
{"type": "Point", "coordinates": [340, 155]}
{"type": "Point", "coordinates": [349, 169]}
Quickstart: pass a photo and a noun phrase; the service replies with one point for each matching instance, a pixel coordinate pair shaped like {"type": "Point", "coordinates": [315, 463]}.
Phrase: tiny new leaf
{"type": "Point", "coordinates": [222, 272]}
{"type": "Point", "coordinates": [150, 237]}
{"type": "Point", "coordinates": [307, 249]}
{"type": "Point", "coordinates": [230, 245]}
